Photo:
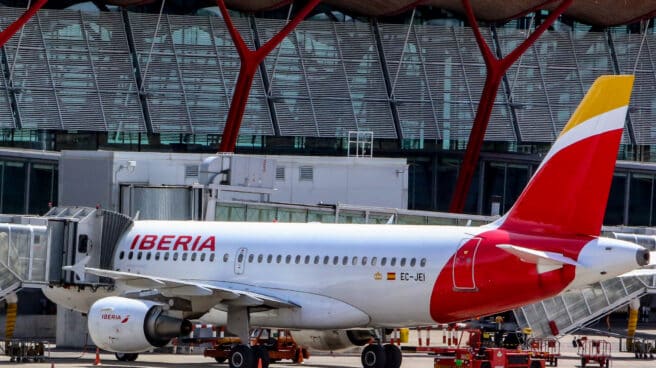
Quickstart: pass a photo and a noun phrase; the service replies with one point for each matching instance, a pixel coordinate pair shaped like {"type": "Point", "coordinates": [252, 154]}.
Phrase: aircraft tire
{"type": "Point", "coordinates": [126, 357]}
{"type": "Point", "coordinates": [241, 356]}
{"type": "Point", "coordinates": [373, 356]}
{"type": "Point", "coordinates": [393, 356]}
{"type": "Point", "coordinates": [261, 352]}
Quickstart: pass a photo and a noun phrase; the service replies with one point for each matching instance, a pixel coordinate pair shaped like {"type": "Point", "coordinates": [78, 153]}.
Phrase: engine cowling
{"type": "Point", "coordinates": [333, 340]}
{"type": "Point", "coordinates": [131, 326]}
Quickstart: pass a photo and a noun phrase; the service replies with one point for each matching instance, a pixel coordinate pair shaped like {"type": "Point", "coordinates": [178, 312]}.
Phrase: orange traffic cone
{"type": "Point", "coordinates": [97, 361]}
{"type": "Point", "coordinates": [259, 362]}
{"type": "Point", "coordinates": [300, 356]}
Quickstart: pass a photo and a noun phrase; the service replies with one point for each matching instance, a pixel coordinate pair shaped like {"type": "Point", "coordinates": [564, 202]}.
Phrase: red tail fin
{"type": "Point", "coordinates": [569, 191]}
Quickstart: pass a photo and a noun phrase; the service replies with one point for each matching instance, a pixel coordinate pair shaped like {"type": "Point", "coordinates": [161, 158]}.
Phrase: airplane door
{"type": "Point", "coordinates": [463, 265]}
{"type": "Point", "coordinates": [240, 261]}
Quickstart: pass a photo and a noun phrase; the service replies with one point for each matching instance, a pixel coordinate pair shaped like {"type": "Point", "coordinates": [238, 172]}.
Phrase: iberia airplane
{"type": "Point", "coordinates": [344, 279]}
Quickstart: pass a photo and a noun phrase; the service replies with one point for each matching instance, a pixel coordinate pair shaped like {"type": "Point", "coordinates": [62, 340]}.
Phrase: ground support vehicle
{"type": "Point", "coordinates": [280, 345]}
{"type": "Point", "coordinates": [547, 348]}
{"type": "Point", "coordinates": [591, 350]}
{"type": "Point", "coordinates": [25, 350]}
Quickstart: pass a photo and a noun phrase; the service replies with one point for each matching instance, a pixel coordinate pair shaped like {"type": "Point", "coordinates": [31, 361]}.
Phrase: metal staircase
{"type": "Point", "coordinates": [572, 310]}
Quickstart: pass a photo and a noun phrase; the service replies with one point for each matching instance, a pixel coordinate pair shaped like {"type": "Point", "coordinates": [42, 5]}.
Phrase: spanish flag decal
{"type": "Point", "coordinates": [391, 276]}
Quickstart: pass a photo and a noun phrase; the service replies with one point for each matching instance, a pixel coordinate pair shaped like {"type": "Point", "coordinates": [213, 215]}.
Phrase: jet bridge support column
{"type": "Point", "coordinates": [496, 69]}
{"type": "Point", "coordinates": [250, 60]}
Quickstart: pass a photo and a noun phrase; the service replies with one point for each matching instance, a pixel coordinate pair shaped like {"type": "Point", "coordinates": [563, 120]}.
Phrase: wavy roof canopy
{"type": "Point", "coordinates": [595, 12]}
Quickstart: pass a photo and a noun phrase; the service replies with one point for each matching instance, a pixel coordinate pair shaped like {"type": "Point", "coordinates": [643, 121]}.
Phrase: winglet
{"type": "Point", "coordinates": [79, 268]}
{"type": "Point", "coordinates": [569, 191]}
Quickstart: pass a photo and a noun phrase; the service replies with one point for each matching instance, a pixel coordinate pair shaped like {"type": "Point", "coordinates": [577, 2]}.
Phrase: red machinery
{"type": "Point", "coordinates": [475, 350]}
{"type": "Point", "coordinates": [547, 348]}
{"type": "Point", "coordinates": [594, 351]}
{"type": "Point", "coordinates": [280, 347]}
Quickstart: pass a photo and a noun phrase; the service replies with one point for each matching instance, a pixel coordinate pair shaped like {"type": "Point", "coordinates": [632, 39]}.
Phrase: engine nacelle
{"type": "Point", "coordinates": [333, 340]}
{"type": "Point", "coordinates": [131, 326]}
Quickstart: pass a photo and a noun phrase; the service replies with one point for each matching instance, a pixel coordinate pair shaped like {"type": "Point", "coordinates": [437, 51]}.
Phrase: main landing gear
{"type": "Point", "coordinates": [381, 356]}
{"type": "Point", "coordinates": [243, 355]}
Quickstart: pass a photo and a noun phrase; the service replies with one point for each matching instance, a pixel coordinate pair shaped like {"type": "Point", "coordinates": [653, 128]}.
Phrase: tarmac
{"type": "Point", "coordinates": [569, 358]}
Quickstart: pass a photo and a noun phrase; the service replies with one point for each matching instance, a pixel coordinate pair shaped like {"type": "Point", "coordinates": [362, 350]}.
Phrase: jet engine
{"type": "Point", "coordinates": [130, 325]}
{"type": "Point", "coordinates": [332, 340]}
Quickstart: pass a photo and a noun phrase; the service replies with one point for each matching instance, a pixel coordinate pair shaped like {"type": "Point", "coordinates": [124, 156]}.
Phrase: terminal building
{"type": "Point", "coordinates": [362, 113]}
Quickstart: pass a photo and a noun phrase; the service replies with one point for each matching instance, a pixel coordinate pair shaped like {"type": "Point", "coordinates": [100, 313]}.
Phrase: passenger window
{"type": "Point", "coordinates": [226, 257]}
{"type": "Point", "coordinates": [383, 261]}
{"type": "Point", "coordinates": [130, 255]}
{"type": "Point", "coordinates": [344, 261]}
{"type": "Point", "coordinates": [157, 256]}
{"type": "Point", "coordinates": [422, 263]}
{"type": "Point", "coordinates": [212, 257]}
{"type": "Point", "coordinates": [260, 257]}
{"type": "Point", "coordinates": [175, 256]}
{"type": "Point", "coordinates": [325, 260]}
{"type": "Point", "coordinates": [139, 255]}
{"type": "Point", "coordinates": [269, 258]}
{"type": "Point", "coordinates": [251, 257]}
{"type": "Point", "coordinates": [121, 255]}
{"type": "Point", "coordinates": [166, 256]}
{"type": "Point", "coordinates": [278, 258]}
{"type": "Point", "coordinates": [364, 261]}
{"type": "Point", "coordinates": [148, 255]}
{"type": "Point", "coordinates": [402, 262]}
{"type": "Point", "coordinates": [202, 257]}
{"type": "Point", "coordinates": [335, 260]}
{"type": "Point", "coordinates": [288, 259]}
{"type": "Point", "coordinates": [393, 262]}
{"type": "Point", "coordinates": [316, 259]}
{"type": "Point", "coordinates": [298, 259]}
{"type": "Point", "coordinates": [373, 261]}
{"type": "Point", "coordinates": [240, 258]}
{"type": "Point", "coordinates": [307, 259]}
{"type": "Point", "coordinates": [184, 256]}
{"type": "Point", "coordinates": [355, 261]}
{"type": "Point", "coordinates": [413, 262]}
{"type": "Point", "coordinates": [193, 257]}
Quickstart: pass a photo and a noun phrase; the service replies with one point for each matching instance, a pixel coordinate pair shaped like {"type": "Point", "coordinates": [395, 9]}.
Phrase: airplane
{"type": "Point", "coordinates": [343, 280]}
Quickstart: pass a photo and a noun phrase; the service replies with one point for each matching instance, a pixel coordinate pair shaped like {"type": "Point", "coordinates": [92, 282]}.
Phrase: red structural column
{"type": "Point", "coordinates": [250, 60]}
{"type": "Point", "coordinates": [496, 69]}
{"type": "Point", "coordinates": [11, 30]}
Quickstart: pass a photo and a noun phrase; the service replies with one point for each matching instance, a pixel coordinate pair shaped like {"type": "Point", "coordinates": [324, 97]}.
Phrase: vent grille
{"type": "Point", "coordinates": [280, 173]}
{"type": "Point", "coordinates": [191, 171]}
{"type": "Point", "coordinates": [306, 173]}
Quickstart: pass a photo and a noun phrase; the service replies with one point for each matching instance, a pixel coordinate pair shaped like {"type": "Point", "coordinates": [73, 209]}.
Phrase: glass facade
{"type": "Point", "coordinates": [27, 187]}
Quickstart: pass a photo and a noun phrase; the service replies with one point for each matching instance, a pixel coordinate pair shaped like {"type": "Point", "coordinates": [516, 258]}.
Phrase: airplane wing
{"type": "Point", "coordinates": [173, 287]}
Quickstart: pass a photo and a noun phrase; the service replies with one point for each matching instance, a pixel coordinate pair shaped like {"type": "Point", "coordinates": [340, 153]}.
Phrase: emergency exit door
{"type": "Point", "coordinates": [464, 263]}
{"type": "Point", "coordinates": [240, 261]}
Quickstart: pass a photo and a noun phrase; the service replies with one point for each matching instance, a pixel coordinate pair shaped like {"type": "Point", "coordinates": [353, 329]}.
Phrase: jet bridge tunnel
{"type": "Point", "coordinates": [33, 249]}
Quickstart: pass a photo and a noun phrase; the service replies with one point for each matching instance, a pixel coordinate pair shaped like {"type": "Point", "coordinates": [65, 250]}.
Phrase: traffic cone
{"type": "Point", "coordinates": [300, 356]}
{"type": "Point", "coordinates": [97, 361]}
{"type": "Point", "coordinates": [52, 365]}
{"type": "Point", "coordinates": [259, 362]}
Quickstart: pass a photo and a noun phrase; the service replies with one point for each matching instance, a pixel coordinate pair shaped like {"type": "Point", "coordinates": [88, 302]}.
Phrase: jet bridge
{"type": "Point", "coordinates": [34, 249]}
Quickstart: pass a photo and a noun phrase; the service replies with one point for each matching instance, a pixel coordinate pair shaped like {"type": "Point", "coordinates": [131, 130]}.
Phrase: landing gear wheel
{"type": "Point", "coordinates": [241, 356]}
{"type": "Point", "coordinates": [126, 357]}
{"type": "Point", "coordinates": [393, 356]}
{"type": "Point", "coordinates": [373, 356]}
{"type": "Point", "coordinates": [261, 352]}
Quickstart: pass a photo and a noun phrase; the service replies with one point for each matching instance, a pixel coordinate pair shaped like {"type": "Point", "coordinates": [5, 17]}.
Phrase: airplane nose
{"type": "Point", "coordinates": [642, 257]}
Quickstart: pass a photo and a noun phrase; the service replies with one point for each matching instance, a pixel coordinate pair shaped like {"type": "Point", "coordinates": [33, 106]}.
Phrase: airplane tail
{"type": "Point", "coordinates": [568, 193]}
